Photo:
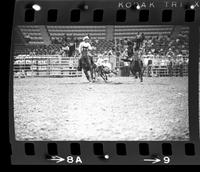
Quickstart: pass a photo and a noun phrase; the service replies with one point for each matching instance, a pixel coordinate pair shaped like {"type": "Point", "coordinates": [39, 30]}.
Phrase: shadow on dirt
{"type": "Point", "coordinates": [114, 83]}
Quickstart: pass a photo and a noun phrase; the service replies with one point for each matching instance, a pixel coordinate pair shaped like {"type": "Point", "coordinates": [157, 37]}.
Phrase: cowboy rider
{"type": "Point", "coordinates": [84, 45]}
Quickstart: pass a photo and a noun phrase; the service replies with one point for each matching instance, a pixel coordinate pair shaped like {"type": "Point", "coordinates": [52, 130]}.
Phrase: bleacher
{"type": "Point", "coordinates": [25, 49]}
{"type": "Point", "coordinates": [96, 32]}
{"type": "Point", "coordinates": [121, 32]}
{"type": "Point", "coordinates": [34, 33]}
{"type": "Point", "coordinates": [19, 49]}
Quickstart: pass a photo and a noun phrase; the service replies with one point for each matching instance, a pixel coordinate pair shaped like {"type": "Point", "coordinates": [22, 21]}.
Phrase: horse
{"type": "Point", "coordinates": [136, 66]}
{"type": "Point", "coordinates": [87, 65]}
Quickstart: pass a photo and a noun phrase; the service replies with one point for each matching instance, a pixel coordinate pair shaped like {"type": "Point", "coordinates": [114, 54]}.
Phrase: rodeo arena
{"type": "Point", "coordinates": [101, 83]}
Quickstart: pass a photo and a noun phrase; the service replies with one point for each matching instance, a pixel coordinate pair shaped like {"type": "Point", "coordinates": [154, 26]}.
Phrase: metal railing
{"type": "Point", "coordinates": [46, 66]}
{"type": "Point", "coordinates": [160, 71]}
{"type": "Point", "coordinates": [58, 66]}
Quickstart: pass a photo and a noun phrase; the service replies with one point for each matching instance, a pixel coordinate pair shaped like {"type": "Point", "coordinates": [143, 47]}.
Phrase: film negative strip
{"type": "Point", "coordinates": [102, 82]}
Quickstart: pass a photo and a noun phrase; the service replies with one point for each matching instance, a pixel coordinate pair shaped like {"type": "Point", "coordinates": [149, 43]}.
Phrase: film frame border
{"type": "Point", "coordinates": [155, 149]}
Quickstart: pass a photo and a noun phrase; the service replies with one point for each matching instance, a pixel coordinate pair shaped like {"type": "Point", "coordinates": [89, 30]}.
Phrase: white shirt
{"type": "Point", "coordinates": [151, 56]}
{"type": "Point", "coordinates": [145, 61]}
{"type": "Point", "coordinates": [126, 64]}
{"type": "Point", "coordinates": [107, 64]}
{"type": "Point", "coordinates": [155, 62]}
{"type": "Point", "coordinates": [162, 62]}
{"type": "Point", "coordinates": [99, 62]}
{"type": "Point", "coordinates": [84, 44]}
{"type": "Point", "coordinates": [65, 48]}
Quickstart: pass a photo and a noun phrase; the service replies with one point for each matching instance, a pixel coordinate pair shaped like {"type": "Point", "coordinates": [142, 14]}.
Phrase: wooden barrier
{"type": "Point", "coordinates": [163, 71]}
{"type": "Point", "coordinates": [46, 66]}
{"type": "Point", "coordinates": [57, 66]}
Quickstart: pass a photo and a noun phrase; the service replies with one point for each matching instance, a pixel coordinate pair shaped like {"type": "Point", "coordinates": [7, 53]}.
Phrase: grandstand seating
{"type": "Point", "coordinates": [96, 32]}
{"type": "Point", "coordinates": [130, 31]}
{"type": "Point", "coordinates": [34, 33]}
{"type": "Point", "coordinates": [19, 50]}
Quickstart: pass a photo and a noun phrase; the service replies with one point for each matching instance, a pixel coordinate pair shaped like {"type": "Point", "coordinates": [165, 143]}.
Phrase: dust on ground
{"type": "Point", "coordinates": [63, 109]}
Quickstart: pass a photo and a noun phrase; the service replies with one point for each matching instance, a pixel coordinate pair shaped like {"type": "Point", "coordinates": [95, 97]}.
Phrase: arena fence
{"type": "Point", "coordinates": [162, 71]}
{"type": "Point", "coordinates": [46, 66]}
{"type": "Point", "coordinates": [58, 66]}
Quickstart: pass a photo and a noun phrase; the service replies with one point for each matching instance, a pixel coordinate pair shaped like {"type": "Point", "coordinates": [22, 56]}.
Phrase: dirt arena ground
{"type": "Point", "coordinates": [122, 109]}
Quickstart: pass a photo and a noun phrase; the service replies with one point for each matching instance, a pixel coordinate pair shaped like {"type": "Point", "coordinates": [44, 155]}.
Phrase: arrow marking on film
{"type": "Point", "coordinates": [156, 160]}
{"type": "Point", "coordinates": [57, 159]}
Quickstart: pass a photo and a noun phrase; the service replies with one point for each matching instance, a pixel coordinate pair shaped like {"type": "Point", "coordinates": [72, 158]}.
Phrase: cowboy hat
{"type": "Point", "coordinates": [106, 59]}
{"type": "Point", "coordinates": [86, 37]}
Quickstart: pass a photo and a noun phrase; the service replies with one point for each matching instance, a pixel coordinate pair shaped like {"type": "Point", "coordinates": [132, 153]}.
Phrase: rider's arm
{"type": "Point", "coordinates": [80, 47]}
{"type": "Point", "coordinates": [89, 47]}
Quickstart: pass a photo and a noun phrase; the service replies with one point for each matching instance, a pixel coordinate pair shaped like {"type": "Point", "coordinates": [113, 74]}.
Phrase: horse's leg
{"type": "Point", "coordinates": [92, 66]}
{"type": "Point", "coordinates": [87, 75]}
{"type": "Point", "coordinates": [132, 68]}
{"type": "Point", "coordinates": [136, 74]}
{"type": "Point", "coordinates": [106, 77]}
{"type": "Point", "coordinates": [141, 76]}
{"type": "Point", "coordinates": [113, 72]}
{"type": "Point", "coordinates": [79, 68]}
{"type": "Point", "coordinates": [103, 75]}
{"type": "Point", "coordinates": [133, 71]}
{"type": "Point", "coordinates": [92, 74]}
{"type": "Point", "coordinates": [95, 73]}
{"type": "Point", "coordinates": [143, 69]}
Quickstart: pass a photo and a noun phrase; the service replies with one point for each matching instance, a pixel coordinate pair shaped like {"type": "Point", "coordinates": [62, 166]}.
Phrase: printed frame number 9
{"type": "Point", "coordinates": [166, 160]}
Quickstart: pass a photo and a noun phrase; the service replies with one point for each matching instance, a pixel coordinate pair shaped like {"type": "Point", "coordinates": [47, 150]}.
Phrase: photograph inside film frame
{"type": "Point", "coordinates": [107, 83]}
